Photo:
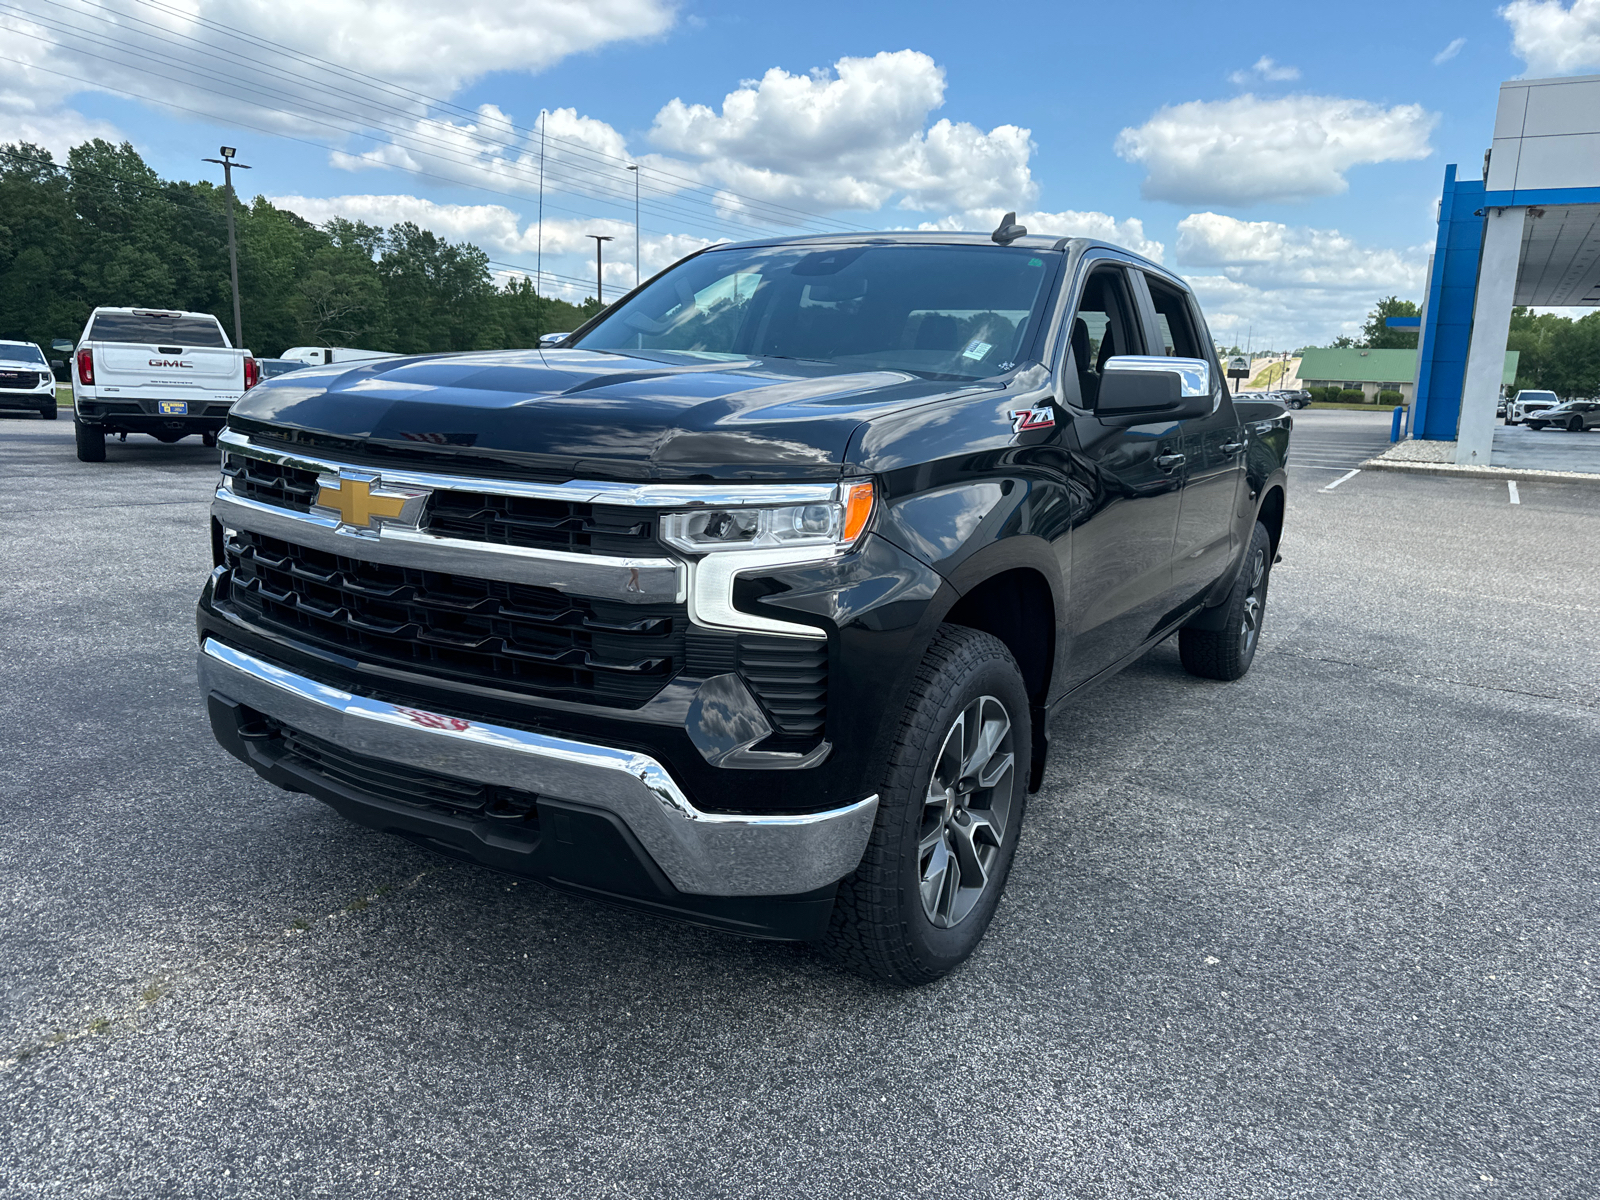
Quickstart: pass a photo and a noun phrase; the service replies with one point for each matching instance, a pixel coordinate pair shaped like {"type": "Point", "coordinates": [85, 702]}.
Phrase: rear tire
{"type": "Point", "coordinates": [950, 807]}
{"type": "Point", "coordinates": [1227, 653]}
{"type": "Point", "coordinates": [91, 441]}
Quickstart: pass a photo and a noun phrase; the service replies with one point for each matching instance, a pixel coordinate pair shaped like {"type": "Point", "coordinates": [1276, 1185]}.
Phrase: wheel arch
{"type": "Point", "coordinates": [1271, 511]}
{"type": "Point", "coordinates": [1015, 593]}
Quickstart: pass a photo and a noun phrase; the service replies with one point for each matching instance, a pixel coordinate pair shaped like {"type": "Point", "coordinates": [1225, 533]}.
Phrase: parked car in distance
{"type": "Point", "coordinates": [271, 368]}
{"type": "Point", "coordinates": [26, 381]}
{"type": "Point", "coordinates": [1529, 401]}
{"type": "Point", "coordinates": [1500, 407]}
{"type": "Point", "coordinates": [321, 356]}
{"type": "Point", "coordinates": [1291, 399]}
{"type": "Point", "coordinates": [155, 371]}
{"type": "Point", "coordinates": [1575, 416]}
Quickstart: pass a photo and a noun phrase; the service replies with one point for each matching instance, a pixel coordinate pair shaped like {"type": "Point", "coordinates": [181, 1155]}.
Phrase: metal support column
{"type": "Point", "coordinates": [1491, 326]}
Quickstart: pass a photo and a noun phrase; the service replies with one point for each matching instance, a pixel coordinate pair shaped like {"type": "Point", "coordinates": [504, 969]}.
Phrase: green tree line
{"type": "Point", "coordinates": [104, 229]}
{"type": "Point", "coordinates": [1558, 354]}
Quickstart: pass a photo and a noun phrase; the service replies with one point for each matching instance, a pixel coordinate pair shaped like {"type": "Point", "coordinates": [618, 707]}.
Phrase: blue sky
{"type": "Point", "coordinates": [1284, 157]}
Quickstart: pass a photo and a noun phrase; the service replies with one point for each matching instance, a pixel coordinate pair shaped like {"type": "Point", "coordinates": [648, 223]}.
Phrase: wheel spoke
{"type": "Point", "coordinates": [996, 770]}
{"type": "Point", "coordinates": [935, 872]}
{"type": "Point", "coordinates": [992, 729]}
{"type": "Point", "coordinates": [969, 862]}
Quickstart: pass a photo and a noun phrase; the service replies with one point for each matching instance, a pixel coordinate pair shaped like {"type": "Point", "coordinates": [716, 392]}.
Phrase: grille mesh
{"type": "Point", "coordinates": [790, 678]}
{"type": "Point", "coordinates": [474, 630]}
{"type": "Point", "coordinates": [406, 784]}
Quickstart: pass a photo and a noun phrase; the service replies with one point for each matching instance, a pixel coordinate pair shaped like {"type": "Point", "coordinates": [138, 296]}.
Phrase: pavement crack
{"type": "Point", "coordinates": [1482, 687]}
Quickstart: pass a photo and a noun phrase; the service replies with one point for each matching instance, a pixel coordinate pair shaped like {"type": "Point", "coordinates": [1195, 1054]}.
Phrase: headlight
{"type": "Point", "coordinates": [835, 521]}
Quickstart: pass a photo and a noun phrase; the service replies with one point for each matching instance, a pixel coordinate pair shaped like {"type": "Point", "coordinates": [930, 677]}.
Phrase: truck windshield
{"type": "Point", "coordinates": [154, 329]}
{"type": "Point", "coordinates": [961, 312]}
{"type": "Point", "coordinates": [22, 354]}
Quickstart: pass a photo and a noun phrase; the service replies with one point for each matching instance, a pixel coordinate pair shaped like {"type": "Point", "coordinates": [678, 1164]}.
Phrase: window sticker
{"type": "Point", "coordinates": [976, 349]}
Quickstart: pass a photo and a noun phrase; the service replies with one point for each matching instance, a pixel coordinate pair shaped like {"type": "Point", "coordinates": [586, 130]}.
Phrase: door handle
{"type": "Point", "coordinates": [1169, 461]}
{"type": "Point", "coordinates": [1233, 447]}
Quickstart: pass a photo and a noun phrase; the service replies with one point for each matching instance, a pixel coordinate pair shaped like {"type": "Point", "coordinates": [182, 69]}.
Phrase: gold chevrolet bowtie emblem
{"type": "Point", "coordinates": [357, 502]}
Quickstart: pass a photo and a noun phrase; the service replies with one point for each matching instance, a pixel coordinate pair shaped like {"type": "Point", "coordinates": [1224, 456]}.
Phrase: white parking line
{"type": "Point", "coordinates": [1342, 479]}
{"type": "Point", "coordinates": [1512, 485]}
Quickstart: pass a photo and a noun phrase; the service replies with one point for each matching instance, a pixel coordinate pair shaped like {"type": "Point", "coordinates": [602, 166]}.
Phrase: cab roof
{"type": "Point", "coordinates": [1038, 243]}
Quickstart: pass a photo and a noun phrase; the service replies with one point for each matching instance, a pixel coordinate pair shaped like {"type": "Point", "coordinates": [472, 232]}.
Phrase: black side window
{"type": "Point", "coordinates": [1178, 336]}
{"type": "Point", "coordinates": [1103, 328]}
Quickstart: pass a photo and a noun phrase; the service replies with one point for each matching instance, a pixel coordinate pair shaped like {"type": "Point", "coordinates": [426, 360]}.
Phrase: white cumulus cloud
{"type": "Point", "coordinates": [1555, 38]}
{"type": "Point", "coordinates": [853, 137]}
{"type": "Point", "coordinates": [209, 57]}
{"type": "Point", "coordinates": [1266, 69]}
{"type": "Point", "coordinates": [512, 240]}
{"type": "Point", "coordinates": [1251, 149]}
{"type": "Point", "coordinates": [1309, 285]}
{"type": "Point", "coordinates": [1128, 232]}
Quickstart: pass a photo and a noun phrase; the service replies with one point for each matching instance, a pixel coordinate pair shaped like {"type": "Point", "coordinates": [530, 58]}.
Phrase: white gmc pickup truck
{"type": "Point", "coordinates": [155, 371]}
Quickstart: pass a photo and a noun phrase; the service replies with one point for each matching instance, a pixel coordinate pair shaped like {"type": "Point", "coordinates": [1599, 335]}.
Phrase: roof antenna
{"type": "Point", "coordinates": [1009, 230]}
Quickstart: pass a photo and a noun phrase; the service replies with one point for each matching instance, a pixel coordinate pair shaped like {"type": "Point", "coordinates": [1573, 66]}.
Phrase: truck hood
{"type": "Point", "coordinates": [591, 414]}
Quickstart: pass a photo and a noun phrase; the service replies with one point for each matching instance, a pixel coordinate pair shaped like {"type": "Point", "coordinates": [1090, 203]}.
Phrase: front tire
{"type": "Point", "coordinates": [48, 412]}
{"type": "Point", "coordinates": [1575, 425]}
{"type": "Point", "coordinates": [91, 441]}
{"type": "Point", "coordinates": [950, 807]}
{"type": "Point", "coordinates": [1536, 425]}
{"type": "Point", "coordinates": [1227, 652]}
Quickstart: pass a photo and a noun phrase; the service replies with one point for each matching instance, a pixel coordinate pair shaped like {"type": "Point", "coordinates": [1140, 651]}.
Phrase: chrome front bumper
{"type": "Point", "coordinates": [709, 854]}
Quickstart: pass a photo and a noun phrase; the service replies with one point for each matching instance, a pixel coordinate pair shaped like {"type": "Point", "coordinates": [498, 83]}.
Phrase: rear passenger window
{"type": "Point", "coordinates": [1178, 337]}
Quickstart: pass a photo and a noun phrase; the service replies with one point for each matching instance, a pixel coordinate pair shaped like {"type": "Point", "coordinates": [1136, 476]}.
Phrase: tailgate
{"type": "Point", "coordinates": [124, 369]}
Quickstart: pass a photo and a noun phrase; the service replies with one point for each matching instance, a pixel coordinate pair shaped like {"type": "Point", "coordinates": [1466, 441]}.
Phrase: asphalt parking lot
{"type": "Point", "coordinates": [1330, 931]}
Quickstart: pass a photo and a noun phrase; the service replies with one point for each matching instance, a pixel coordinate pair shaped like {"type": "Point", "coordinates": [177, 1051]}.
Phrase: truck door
{"type": "Point", "coordinates": [1129, 480]}
{"type": "Point", "coordinates": [1212, 447]}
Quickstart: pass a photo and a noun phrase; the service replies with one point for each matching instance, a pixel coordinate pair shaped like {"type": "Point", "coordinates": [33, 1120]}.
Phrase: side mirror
{"type": "Point", "coordinates": [58, 368]}
{"type": "Point", "coordinates": [1136, 388]}
{"type": "Point", "coordinates": [62, 346]}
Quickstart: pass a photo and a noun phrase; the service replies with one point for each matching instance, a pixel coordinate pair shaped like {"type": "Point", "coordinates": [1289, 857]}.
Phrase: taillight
{"type": "Point", "coordinates": [252, 373]}
{"type": "Point", "coordinates": [86, 367]}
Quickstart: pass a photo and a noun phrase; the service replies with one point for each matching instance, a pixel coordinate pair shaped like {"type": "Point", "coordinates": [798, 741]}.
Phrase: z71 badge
{"type": "Point", "coordinates": [1024, 419]}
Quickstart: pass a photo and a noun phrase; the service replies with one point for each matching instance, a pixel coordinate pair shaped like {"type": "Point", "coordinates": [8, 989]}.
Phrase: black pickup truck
{"type": "Point", "coordinates": [749, 603]}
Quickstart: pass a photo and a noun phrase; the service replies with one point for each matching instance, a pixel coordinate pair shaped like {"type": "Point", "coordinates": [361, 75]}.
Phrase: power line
{"type": "Point", "coordinates": [401, 137]}
{"type": "Point", "coordinates": [756, 208]}
{"type": "Point", "coordinates": [434, 101]}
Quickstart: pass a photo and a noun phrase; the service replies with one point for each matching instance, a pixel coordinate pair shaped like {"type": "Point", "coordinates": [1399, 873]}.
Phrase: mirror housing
{"type": "Point", "coordinates": [62, 345]}
{"type": "Point", "coordinates": [1137, 388]}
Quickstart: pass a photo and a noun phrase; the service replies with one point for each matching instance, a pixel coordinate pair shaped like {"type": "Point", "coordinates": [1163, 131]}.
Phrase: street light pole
{"type": "Point", "coordinates": [599, 286]}
{"type": "Point", "coordinates": [228, 165]}
{"type": "Point", "coordinates": [634, 167]}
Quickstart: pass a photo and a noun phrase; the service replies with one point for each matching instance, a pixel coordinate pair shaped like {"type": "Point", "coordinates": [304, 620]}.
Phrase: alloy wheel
{"type": "Point", "coordinates": [966, 812]}
{"type": "Point", "coordinates": [1254, 603]}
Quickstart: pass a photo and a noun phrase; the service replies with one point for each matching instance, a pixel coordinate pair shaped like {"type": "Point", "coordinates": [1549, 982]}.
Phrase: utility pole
{"type": "Point", "coordinates": [228, 165]}
{"type": "Point", "coordinates": [538, 260]}
{"type": "Point", "coordinates": [634, 167]}
{"type": "Point", "coordinates": [598, 285]}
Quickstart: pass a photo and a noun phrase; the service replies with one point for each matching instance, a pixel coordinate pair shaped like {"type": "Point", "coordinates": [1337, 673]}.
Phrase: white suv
{"type": "Point", "coordinates": [26, 381]}
{"type": "Point", "coordinates": [1529, 401]}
